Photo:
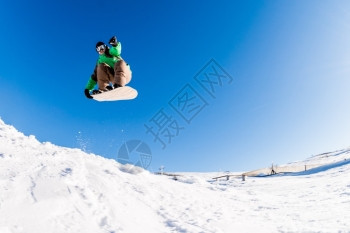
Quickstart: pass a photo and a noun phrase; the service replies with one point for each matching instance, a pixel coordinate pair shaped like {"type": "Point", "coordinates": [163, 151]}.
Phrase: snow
{"type": "Point", "coordinates": [47, 188]}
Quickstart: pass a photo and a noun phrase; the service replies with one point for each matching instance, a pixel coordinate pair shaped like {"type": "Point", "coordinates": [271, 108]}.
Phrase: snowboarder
{"type": "Point", "coordinates": [110, 69]}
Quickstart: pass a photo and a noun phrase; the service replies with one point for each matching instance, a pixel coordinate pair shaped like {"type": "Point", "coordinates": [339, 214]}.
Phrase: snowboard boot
{"type": "Point", "coordinates": [109, 88]}
{"type": "Point", "coordinates": [94, 92]}
{"type": "Point", "coordinates": [115, 86]}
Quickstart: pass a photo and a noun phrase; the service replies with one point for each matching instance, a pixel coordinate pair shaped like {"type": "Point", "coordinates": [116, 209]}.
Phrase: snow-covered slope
{"type": "Point", "coordinates": [46, 188]}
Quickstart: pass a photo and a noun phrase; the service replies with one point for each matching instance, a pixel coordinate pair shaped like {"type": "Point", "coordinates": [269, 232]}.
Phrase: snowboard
{"type": "Point", "coordinates": [120, 93]}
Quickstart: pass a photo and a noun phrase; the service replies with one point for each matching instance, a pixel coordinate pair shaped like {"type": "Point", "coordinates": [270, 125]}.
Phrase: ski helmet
{"type": "Point", "coordinates": [100, 45]}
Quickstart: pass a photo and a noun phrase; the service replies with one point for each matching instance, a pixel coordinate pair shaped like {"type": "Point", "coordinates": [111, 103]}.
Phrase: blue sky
{"type": "Point", "coordinates": [288, 98]}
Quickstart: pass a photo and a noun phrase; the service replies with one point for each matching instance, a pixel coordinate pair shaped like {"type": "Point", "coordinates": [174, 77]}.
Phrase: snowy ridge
{"type": "Point", "coordinates": [330, 157]}
{"type": "Point", "coordinates": [47, 188]}
{"type": "Point", "coordinates": [315, 163]}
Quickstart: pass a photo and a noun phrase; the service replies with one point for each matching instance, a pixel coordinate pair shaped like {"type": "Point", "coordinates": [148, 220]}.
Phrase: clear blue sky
{"type": "Point", "coordinates": [289, 62]}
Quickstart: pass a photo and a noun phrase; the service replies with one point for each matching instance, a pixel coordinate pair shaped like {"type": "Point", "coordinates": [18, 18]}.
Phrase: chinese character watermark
{"type": "Point", "coordinates": [212, 76]}
{"type": "Point", "coordinates": [136, 153]}
{"type": "Point", "coordinates": [163, 128]}
{"type": "Point", "coordinates": [188, 103]}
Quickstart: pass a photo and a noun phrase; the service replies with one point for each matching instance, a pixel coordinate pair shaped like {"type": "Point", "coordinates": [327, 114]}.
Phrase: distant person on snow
{"type": "Point", "coordinates": [110, 69]}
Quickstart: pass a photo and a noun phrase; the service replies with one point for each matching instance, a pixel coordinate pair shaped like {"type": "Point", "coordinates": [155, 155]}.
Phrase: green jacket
{"type": "Point", "coordinates": [110, 57]}
{"type": "Point", "coordinates": [116, 51]}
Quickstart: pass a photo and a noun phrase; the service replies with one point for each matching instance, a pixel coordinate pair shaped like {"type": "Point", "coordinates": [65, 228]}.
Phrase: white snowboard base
{"type": "Point", "coordinates": [120, 93]}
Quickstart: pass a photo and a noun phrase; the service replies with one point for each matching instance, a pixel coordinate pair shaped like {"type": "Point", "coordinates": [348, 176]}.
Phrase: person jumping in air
{"type": "Point", "coordinates": [111, 71]}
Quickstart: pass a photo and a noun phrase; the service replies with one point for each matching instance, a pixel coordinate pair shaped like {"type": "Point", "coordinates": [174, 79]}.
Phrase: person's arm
{"type": "Point", "coordinates": [116, 50]}
{"type": "Point", "coordinates": [91, 84]}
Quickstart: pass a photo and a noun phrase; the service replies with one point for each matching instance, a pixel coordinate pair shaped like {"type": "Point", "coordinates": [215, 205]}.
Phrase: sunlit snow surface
{"type": "Point", "coordinates": [49, 189]}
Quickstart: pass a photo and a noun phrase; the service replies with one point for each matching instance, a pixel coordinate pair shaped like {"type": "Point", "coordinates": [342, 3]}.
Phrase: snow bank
{"type": "Point", "coordinates": [47, 188]}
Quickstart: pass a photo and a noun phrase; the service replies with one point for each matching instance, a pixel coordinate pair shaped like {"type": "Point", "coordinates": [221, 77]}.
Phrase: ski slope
{"type": "Point", "coordinates": [47, 188]}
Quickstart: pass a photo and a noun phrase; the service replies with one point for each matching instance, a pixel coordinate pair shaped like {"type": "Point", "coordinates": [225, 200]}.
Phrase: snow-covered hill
{"type": "Point", "coordinates": [46, 188]}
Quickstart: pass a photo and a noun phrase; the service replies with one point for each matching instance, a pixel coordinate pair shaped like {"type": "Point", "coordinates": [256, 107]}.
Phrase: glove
{"type": "Point", "coordinates": [87, 94]}
{"type": "Point", "coordinates": [113, 41]}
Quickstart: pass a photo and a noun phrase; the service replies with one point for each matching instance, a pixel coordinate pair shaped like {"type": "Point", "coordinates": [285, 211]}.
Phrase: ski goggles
{"type": "Point", "coordinates": [100, 48]}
